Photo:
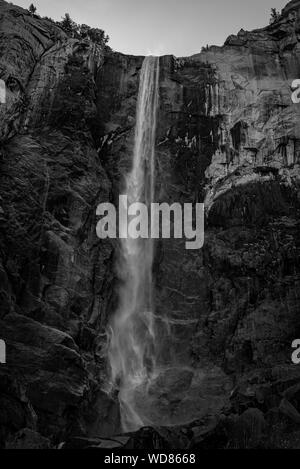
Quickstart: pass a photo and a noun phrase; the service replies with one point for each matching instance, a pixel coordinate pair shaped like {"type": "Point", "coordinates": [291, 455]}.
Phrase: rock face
{"type": "Point", "coordinates": [228, 135]}
{"type": "Point", "coordinates": [56, 275]}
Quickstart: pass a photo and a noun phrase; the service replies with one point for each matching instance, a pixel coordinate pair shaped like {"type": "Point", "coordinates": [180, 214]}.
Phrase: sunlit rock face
{"type": "Point", "coordinates": [228, 134]}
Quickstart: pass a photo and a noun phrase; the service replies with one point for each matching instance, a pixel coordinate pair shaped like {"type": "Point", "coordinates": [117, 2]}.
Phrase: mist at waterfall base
{"type": "Point", "coordinates": [155, 387]}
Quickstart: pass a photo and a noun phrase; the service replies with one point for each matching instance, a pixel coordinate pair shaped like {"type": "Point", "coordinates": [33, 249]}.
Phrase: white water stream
{"type": "Point", "coordinates": [131, 351]}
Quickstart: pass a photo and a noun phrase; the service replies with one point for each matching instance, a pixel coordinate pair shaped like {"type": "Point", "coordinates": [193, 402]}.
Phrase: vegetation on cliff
{"type": "Point", "coordinates": [75, 30]}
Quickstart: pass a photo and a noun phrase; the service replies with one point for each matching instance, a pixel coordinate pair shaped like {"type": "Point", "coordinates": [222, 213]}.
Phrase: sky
{"type": "Point", "coordinates": [159, 27]}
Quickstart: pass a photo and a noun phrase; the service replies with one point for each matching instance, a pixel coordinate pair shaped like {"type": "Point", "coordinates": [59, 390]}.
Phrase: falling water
{"type": "Point", "coordinates": [132, 338]}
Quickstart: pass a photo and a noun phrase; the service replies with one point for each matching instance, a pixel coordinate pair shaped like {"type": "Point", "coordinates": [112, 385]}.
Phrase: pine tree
{"type": "Point", "coordinates": [94, 34]}
{"type": "Point", "coordinates": [32, 9]}
{"type": "Point", "coordinates": [68, 25]}
{"type": "Point", "coordinates": [84, 30]}
{"type": "Point", "coordinates": [98, 35]}
{"type": "Point", "coordinates": [275, 15]}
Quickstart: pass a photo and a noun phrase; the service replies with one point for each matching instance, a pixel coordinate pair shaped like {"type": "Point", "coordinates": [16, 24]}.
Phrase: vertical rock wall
{"type": "Point", "coordinates": [56, 275]}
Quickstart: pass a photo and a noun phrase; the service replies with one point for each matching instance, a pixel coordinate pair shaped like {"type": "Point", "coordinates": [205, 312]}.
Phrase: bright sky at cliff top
{"type": "Point", "coordinates": [179, 27]}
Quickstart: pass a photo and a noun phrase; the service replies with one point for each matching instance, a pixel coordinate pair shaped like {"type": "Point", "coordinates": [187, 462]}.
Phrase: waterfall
{"type": "Point", "coordinates": [131, 352]}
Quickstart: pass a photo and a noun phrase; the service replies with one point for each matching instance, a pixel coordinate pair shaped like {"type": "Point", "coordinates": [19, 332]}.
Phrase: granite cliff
{"type": "Point", "coordinates": [228, 135]}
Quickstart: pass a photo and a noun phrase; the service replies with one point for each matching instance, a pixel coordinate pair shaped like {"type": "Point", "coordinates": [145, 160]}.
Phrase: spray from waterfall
{"type": "Point", "coordinates": [131, 352]}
